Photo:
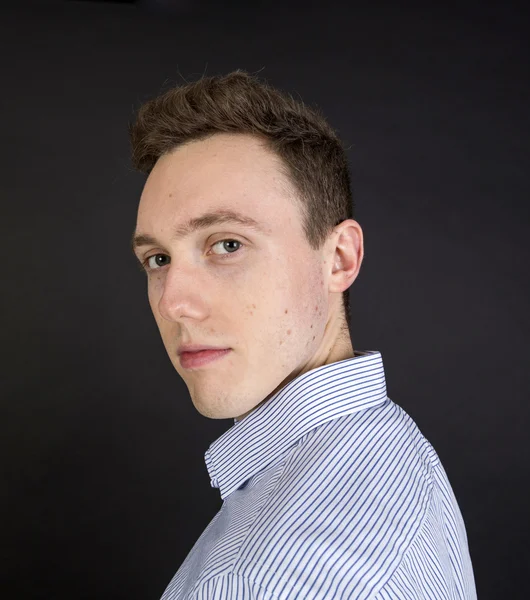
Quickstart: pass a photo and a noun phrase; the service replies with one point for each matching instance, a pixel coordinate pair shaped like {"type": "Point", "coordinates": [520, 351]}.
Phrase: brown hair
{"type": "Point", "coordinates": [314, 159]}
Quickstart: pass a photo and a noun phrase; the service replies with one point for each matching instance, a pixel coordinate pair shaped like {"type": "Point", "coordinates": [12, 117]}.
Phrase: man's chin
{"type": "Point", "coordinates": [210, 410]}
{"type": "Point", "coordinates": [216, 410]}
{"type": "Point", "coordinates": [209, 414]}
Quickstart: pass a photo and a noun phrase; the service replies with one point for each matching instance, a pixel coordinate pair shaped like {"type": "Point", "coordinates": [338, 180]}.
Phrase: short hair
{"type": "Point", "coordinates": [312, 155]}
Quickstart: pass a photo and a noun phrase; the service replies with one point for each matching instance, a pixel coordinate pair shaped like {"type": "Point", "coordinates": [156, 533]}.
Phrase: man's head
{"type": "Point", "coordinates": [271, 287]}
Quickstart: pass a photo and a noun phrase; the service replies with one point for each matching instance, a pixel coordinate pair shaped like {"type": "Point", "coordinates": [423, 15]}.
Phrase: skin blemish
{"type": "Point", "coordinates": [288, 332]}
{"type": "Point", "coordinates": [286, 311]}
{"type": "Point", "coordinates": [311, 326]}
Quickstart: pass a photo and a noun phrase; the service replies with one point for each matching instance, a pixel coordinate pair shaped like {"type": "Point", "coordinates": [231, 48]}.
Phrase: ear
{"type": "Point", "coordinates": [346, 250]}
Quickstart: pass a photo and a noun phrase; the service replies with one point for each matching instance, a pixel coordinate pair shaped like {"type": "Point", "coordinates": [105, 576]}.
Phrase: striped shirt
{"type": "Point", "coordinates": [330, 491]}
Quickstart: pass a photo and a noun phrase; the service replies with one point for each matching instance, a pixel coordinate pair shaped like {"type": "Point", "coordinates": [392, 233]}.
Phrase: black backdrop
{"type": "Point", "coordinates": [104, 488]}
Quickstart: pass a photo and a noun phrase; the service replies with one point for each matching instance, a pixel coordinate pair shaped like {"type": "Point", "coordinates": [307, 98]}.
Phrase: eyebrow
{"type": "Point", "coordinates": [196, 223]}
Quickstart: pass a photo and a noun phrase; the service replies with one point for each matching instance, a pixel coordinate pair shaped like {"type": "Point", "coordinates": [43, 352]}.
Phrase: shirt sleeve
{"type": "Point", "coordinates": [437, 565]}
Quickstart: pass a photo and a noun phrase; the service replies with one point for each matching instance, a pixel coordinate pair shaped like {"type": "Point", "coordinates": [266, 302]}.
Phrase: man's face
{"type": "Point", "coordinates": [261, 294]}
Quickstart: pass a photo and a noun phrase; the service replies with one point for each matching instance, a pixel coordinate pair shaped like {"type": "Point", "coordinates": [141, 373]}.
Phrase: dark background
{"type": "Point", "coordinates": [104, 488]}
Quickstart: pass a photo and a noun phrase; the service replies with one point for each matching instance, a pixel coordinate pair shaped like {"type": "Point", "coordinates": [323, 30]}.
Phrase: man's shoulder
{"type": "Point", "coordinates": [358, 450]}
{"type": "Point", "coordinates": [350, 499]}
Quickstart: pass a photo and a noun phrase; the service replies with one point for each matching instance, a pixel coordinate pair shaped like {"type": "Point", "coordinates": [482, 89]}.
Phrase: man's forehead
{"type": "Point", "coordinates": [195, 194]}
{"type": "Point", "coordinates": [219, 148]}
{"type": "Point", "coordinates": [225, 160]}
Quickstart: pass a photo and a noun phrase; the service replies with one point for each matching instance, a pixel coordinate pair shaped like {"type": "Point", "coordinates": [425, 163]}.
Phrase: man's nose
{"type": "Point", "coordinates": [183, 295]}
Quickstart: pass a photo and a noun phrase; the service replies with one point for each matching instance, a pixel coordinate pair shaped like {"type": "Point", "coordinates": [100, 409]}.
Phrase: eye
{"type": "Point", "coordinates": [227, 245]}
{"type": "Point", "coordinates": [153, 266]}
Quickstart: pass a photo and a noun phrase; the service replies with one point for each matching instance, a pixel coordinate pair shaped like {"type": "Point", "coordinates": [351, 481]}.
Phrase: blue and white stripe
{"type": "Point", "coordinates": [330, 491]}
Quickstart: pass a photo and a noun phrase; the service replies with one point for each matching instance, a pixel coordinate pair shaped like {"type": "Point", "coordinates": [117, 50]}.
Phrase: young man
{"type": "Point", "coordinates": [246, 234]}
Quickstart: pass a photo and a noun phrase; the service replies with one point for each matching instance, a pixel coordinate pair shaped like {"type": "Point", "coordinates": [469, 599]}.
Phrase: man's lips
{"type": "Point", "coordinates": [196, 348]}
{"type": "Point", "coordinates": [200, 358]}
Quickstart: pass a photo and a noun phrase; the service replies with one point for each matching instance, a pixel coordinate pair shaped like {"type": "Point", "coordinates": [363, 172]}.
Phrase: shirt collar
{"type": "Point", "coordinates": [309, 400]}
